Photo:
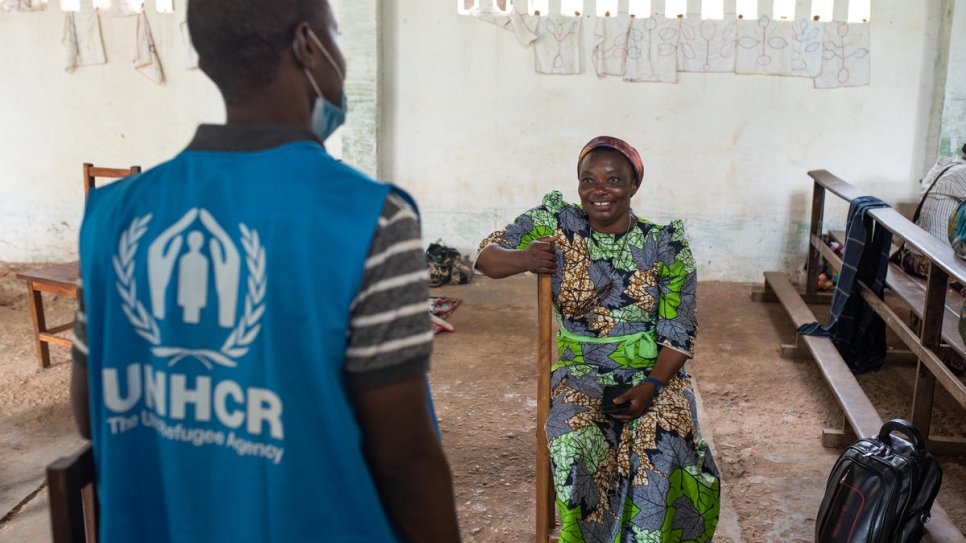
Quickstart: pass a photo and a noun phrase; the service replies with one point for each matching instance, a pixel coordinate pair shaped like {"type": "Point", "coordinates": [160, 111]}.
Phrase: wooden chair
{"type": "Point", "coordinates": [60, 279]}
{"type": "Point", "coordinates": [546, 497]}
{"type": "Point", "coordinates": [92, 172]}
{"type": "Point", "coordinates": [71, 484]}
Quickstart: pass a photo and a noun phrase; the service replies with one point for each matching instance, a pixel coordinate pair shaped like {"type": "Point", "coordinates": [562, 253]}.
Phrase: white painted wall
{"type": "Point", "coordinates": [469, 128]}
{"type": "Point", "coordinates": [109, 115]}
{"type": "Point", "coordinates": [478, 136]}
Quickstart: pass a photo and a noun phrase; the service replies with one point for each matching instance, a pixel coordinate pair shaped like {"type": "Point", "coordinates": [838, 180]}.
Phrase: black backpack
{"type": "Point", "coordinates": [881, 490]}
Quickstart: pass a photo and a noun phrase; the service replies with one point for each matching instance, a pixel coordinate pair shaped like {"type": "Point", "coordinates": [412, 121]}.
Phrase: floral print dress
{"type": "Point", "coordinates": [620, 298]}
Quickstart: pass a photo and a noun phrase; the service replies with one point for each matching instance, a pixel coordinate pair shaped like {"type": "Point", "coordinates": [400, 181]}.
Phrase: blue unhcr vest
{"type": "Point", "coordinates": [214, 416]}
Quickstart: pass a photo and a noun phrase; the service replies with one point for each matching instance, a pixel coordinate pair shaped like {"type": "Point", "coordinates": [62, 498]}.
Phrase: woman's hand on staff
{"type": "Point", "coordinates": [541, 256]}
{"type": "Point", "coordinates": [499, 262]}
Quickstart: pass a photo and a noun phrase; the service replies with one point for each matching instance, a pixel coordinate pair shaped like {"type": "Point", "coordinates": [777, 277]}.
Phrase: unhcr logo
{"type": "Point", "coordinates": [175, 260]}
{"type": "Point", "coordinates": [185, 263]}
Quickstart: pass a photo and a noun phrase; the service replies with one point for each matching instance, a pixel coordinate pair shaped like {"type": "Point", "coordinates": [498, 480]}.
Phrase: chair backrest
{"type": "Point", "coordinates": [92, 172]}
{"type": "Point", "coordinates": [73, 497]}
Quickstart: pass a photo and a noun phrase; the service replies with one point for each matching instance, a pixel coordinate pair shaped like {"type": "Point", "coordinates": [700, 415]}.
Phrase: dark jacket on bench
{"type": "Point", "coordinates": [855, 328]}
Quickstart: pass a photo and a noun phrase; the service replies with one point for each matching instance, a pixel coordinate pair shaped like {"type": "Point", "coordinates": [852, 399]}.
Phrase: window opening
{"type": "Point", "coordinates": [465, 7]}
{"type": "Point", "coordinates": [860, 11]}
{"type": "Point", "coordinates": [571, 8]}
{"type": "Point", "coordinates": [747, 9]}
{"type": "Point", "coordinates": [607, 8]}
{"type": "Point", "coordinates": [712, 9]}
{"type": "Point", "coordinates": [822, 10]}
{"type": "Point", "coordinates": [639, 8]}
{"type": "Point", "coordinates": [783, 10]}
{"type": "Point", "coordinates": [675, 8]}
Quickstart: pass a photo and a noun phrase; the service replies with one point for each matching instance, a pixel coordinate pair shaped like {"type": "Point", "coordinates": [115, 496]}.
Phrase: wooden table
{"type": "Point", "coordinates": [59, 280]}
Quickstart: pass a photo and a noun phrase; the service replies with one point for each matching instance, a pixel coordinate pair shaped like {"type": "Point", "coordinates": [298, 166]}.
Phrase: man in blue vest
{"type": "Point", "coordinates": [253, 335]}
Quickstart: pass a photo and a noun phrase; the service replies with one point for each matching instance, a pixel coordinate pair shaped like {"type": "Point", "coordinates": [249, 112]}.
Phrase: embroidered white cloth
{"type": "Point", "coordinates": [707, 45]}
{"type": "Point", "coordinates": [610, 45]}
{"type": "Point", "coordinates": [652, 46]}
{"type": "Point", "coordinates": [806, 40]}
{"type": "Point", "coordinates": [764, 47]}
{"type": "Point", "coordinates": [82, 41]}
{"type": "Point", "coordinates": [23, 5]}
{"type": "Point", "coordinates": [147, 62]}
{"type": "Point", "coordinates": [494, 17]}
{"type": "Point", "coordinates": [522, 26]}
{"type": "Point", "coordinates": [500, 20]}
{"type": "Point", "coordinates": [845, 56]}
{"type": "Point", "coordinates": [557, 47]}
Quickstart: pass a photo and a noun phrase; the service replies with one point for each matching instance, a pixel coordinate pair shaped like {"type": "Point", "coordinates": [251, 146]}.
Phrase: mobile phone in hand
{"type": "Point", "coordinates": [607, 405]}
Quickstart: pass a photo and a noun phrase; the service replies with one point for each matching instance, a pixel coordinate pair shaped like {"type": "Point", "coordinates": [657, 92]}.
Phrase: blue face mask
{"type": "Point", "coordinates": [326, 116]}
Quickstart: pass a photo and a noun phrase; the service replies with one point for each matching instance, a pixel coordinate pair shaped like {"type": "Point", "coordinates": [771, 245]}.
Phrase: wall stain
{"type": "Point", "coordinates": [736, 135]}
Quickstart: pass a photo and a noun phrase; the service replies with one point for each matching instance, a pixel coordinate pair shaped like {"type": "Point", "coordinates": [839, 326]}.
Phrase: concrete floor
{"type": "Point", "coordinates": [762, 414]}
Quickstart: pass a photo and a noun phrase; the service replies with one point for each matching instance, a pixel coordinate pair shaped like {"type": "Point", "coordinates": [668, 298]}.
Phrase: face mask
{"type": "Point", "coordinates": [326, 116]}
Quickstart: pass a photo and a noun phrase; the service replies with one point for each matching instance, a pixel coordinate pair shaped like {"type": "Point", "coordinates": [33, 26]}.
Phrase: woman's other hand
{"type": "Point", "coordinates": [639, 398]}
{"type": "Point", "coordinates": [669, 362]}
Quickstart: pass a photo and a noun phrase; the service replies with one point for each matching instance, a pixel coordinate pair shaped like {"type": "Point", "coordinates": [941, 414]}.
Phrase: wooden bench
{"type": "Point", "coordinates": [934, 336]}
{"type": "Point", "coordinates": [911, 290]}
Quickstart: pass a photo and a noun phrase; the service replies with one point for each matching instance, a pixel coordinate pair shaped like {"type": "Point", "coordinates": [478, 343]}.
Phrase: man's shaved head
{"type": "Point", "coordinates": [240, 42]}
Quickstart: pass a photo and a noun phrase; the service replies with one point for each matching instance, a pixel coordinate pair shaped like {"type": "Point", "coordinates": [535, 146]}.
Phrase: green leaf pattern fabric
{"type": "Point", "coordinates": [650, 262]}
{"type": "Point", "coordinates": [653, 480]}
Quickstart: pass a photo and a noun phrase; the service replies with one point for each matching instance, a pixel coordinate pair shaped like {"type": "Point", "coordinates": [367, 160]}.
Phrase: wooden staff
{"type": "Point", "coordinates": [545, 493]}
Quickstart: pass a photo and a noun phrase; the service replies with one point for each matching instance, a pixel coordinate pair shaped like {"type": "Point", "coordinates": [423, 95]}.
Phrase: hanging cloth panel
{"type": "Point", "coordinates": [845, 56]}
{"type": "Point", "coordinates": [610, 45]}
{"type": "Point", "coordinates": [83, 45]}
{"type": "Point", "coordinates": [707, 45]}
{"type": "Point", "coordinates": [652, 49]}
{"type": "Point", "coordinates": [147, 62]}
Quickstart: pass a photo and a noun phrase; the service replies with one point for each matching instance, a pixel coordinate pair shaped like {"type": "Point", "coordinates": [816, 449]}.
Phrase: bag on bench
{"type": "Point", "coordinates": [881, 490]}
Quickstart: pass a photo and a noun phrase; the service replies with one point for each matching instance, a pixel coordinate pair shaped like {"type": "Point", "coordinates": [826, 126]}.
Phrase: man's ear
{"type": "Point", "coordinates": [301, 47]}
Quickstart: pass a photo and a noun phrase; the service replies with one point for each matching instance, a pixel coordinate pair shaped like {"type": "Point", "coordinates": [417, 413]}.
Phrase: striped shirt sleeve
{"type": "Point", "coordinates": [78, 349]}
{"type": "Point", "coordinates": [390, 335]}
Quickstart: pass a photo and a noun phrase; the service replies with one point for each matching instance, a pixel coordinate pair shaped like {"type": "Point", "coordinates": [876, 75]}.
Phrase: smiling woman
{"type": "Point", "coordinates": [608, 178]}
{"type": "Point", "coordinates": [624, 292]}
